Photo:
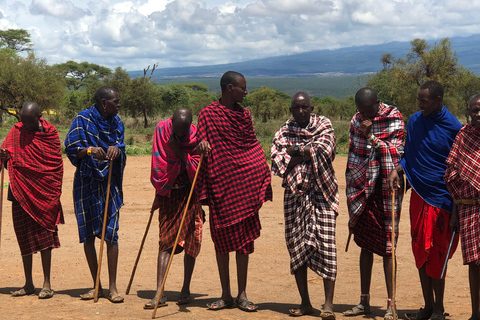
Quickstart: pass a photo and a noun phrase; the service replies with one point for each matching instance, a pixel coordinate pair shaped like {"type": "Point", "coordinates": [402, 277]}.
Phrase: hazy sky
{"type": "Point", "coordinates": [134, 34]}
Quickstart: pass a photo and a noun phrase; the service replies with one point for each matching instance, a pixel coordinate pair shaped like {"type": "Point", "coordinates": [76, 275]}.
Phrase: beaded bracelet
{"type": "Point", "coordinates": [89, 151]}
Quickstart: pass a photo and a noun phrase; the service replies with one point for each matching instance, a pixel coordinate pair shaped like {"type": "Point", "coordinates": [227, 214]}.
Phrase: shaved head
{"type": "Point", "coordinates": [30, 108]}
{"type": "Point", "coordinates": [300, 96]}
{"type": "Point", "coordinates": [30, 116]}
{"type": "Point", "coordinates": [366, 96]}
{"type": "Point", "coordinates": [181, 121]}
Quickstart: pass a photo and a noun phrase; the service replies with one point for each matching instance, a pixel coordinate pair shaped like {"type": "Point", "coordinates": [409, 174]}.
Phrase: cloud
{"type": "Point", "coordinates": [61, 9]}
{"type": "Point", "coordinates": [135, 33]}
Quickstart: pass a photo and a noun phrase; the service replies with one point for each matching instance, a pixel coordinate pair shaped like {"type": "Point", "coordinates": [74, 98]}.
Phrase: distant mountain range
{"type": "Point", "coordinates": [345, 61]}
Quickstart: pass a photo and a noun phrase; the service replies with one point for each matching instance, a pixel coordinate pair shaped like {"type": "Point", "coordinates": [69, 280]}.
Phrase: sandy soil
{"type": "Point", "coordinates": [270, 284]}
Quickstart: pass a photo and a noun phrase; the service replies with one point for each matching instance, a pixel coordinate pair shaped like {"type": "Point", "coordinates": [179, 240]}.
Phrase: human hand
{"type": "Point", "coordinates": [204, 148]}
{"type": "Point", "coordinates": [366, 127]}
{"type": "Point", "coordinates": [112, 153]}
{"type": "Point", "coordinates": [4, 154]}
{"type": "Point", "coordinates": [393, 180]}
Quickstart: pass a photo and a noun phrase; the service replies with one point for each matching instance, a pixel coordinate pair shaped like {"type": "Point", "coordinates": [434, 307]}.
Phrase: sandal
{"type": "Point", "coordinates": [220, 304]}
{"type": "Point", "coordinates": [45, 294]}
{"type": "Point", "coordinates": [22, 292]}
{"type": "Point", "coordinates": [90, 295]}
{"type": "Point", "coordinates": [151, 304]}
{"type": "Point", "coordinates": [389, 315]}
{"type": "Point", "coordinates": [244, 304]}
{"type": "Point", "coordinates": [115, 298]}
{"type": "Point", "coordinates": [358, 310]}
{"type": "Point", "coordinates": [421, 314]}
{"type": "Point", "coordinates": [437, 316]}
{"type": "Point", "coordinates": [327, 315]}
{"type": "Point", "coordinates": [300, 311]}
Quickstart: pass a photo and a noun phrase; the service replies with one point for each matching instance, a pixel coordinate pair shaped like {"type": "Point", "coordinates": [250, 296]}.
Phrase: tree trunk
{"type": "Point", "coordinates": [145, 119]}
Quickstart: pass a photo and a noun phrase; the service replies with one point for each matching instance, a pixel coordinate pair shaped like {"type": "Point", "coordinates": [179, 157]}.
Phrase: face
{"type": "Point", "coordinates": [180, 130]}
{"type": "Point", "coordinates": [368, 110]}
{"type": "Point", "coordinates": [301, 110]}
{"type": "Point", "coordinates": [475, 112]}
{"type": "Point", "coordinates": [239, 90]}
{"type": "Point", "coordinates": [112, 105]}
{"type": "Point", "coordinates": [428, 104]}
{"type": "Point", "coordinates": [30, 121]}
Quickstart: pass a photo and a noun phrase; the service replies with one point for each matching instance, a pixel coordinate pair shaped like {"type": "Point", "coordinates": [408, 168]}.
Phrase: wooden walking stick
{"type": "Point", "coordinates": [394, 281]}
{"type": "Point", "coordinates": [176, 239]}
{"type": "Point", "coordinates": [105, 215]}
{"type": "Point", "coordinates": [140, 251]}
{"type": "Point", "coordinates": [1, 199]}
{"type": "Point", "coordinates": [348, 240]}
{"type": "Point", "coordinates": [448, 253]}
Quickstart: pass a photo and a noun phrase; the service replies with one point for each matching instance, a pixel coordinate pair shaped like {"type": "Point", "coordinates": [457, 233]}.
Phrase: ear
{"type": "Point", "coordinates": [40, 115]}
{"type": "Point", "coordinates": [312, 108]}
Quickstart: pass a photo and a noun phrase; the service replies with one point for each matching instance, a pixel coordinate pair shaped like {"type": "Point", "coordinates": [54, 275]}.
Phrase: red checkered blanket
{"type": "Point", "coordinates": [35, 169]}
{"type": "Point", "coordinates": [234, 179]}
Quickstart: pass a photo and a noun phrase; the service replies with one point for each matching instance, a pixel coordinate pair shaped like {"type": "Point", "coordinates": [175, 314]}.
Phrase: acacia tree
{"type": "Point", "coordinates": [399, 80]}
{"type": "Point", "coordinates": [79, 75]}
{"type": "Point", "coordinates": [28, 79]}
{"type": "Point", "coordinates": [17, 40]}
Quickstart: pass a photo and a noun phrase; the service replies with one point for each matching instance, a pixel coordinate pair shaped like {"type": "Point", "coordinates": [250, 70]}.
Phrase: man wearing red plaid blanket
{"type": "Point", "coordinates": [234, 181]}
{"type": "Point", "coordinates": [33, 155]}
{"type": "Point", "coordinates": [376, 147]}
{"type": "Point", "coordinates": [303, 150]}
{"type": "Point", "coordinates": [174, 162]}
{"type": "Point", "coordinates": [463, 183]}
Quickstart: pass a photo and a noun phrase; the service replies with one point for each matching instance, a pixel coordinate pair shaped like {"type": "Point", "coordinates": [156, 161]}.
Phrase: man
{"type": "Point", "coordinates": [234, 181]}
{"type": "Point", "coordinates": [303, 150]}
{"type": "Point", "coordinates": [95, 139]}
{"type": "Point", "coordinates": [174, 163]}
{"type": "Point", "coordinates": [463, 182]}
{"type": "Point", "coordinates": [376, 148]}
{"type": "Point", "coordinates": [431, 132]}
{"type": "Point", "coordinates": [33, 155]}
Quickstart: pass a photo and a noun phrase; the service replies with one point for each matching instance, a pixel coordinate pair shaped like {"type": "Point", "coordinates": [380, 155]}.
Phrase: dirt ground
{"type": "Point", "coordinates": [270, 284]}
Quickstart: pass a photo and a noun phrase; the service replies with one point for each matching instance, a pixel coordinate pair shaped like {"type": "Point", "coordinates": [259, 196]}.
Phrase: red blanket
{"type": "Point", "coordinates": [35, 168]}
{"type": "Point", "coordinates": [166, 166]}
{"type": "Point", "coordinates": [234, 179]}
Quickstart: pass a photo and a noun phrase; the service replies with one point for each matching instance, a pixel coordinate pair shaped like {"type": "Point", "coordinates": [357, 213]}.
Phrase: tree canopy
{"type": "Point", "coordinates": [17, 40]}
{"type": "Point", "coordinates": [28, 79]}
{"type": "Point", "coordinates": [400, 79]}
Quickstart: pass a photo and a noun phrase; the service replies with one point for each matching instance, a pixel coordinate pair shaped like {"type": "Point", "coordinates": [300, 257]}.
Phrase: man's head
{"type": "Point", "coordinates": [30, 115]}
{"type": "Point", "coordinates": [181, 121]}
{"type": "Point", "coordinates": [107, 101]}
{"type": "Point", "coordinates": [300, 107]}
{"type": "Point", "coordinates": [474, 110]}
{"type": "Point", "coordinates": [367, 102]}
{"type": "Point", "coordinates": [430, 98]}
{"type": "Point", "coordinates": [234, 86]}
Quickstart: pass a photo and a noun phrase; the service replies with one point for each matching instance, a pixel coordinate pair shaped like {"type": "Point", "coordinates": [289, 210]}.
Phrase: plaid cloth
{"type": "Point", "coordinates": [234, 179]}
{"type": "Point", "coordinates": [35, 170]}
{"type": "Point", "coordinates": [238, 237]}
{"type": "Point", "coordinates": [368, 199]}
{"type": "Point", "coordinates": [315, 175]}
{"type": "Point", "coordinates": [193, 242]}
{"type": "Point", "coordinates": [311, 195]}
{"type": "Point", "coordinates": [429, 227]}
{"type": "Point", "coordinates": [171, 209]}
{"type": "Point", "coordinates": [31, 236]}
{"type": "Point", "coordinates": [89, 128]}
{"type": "Point", "coordinates": [463, 182]}
{"type": "Point", "coordinates": [165, 164]}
